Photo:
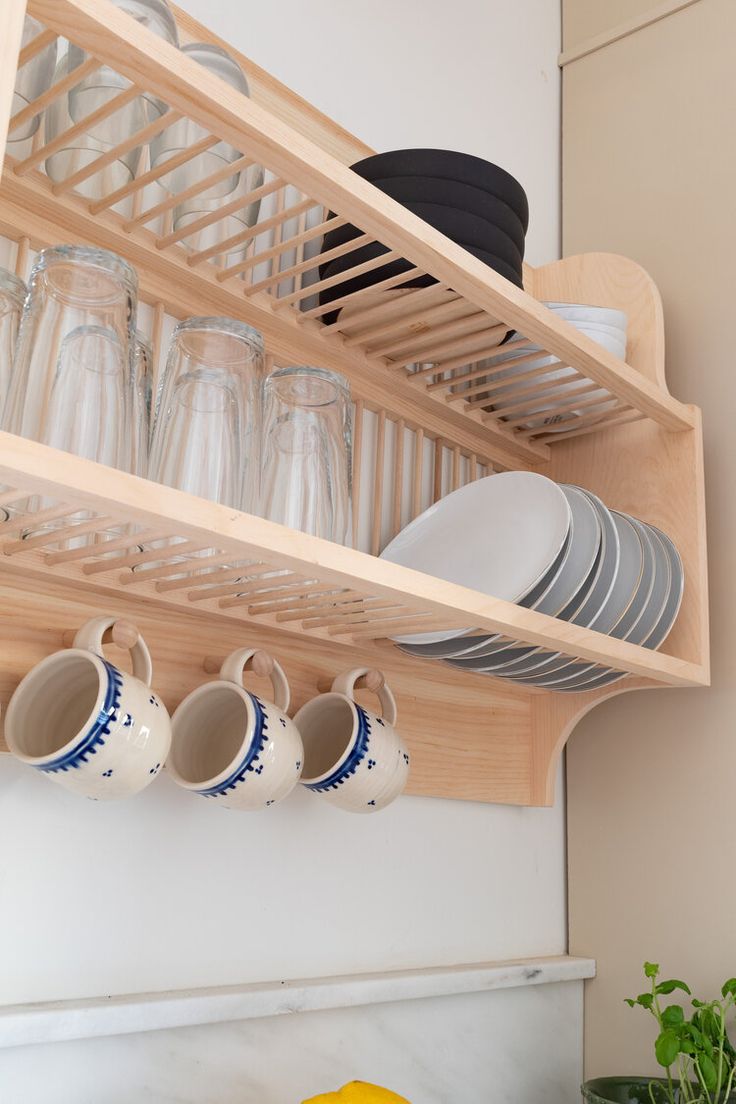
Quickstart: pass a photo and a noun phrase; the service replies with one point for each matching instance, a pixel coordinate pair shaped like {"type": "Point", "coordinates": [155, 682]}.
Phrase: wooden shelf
{"type": "Point", "coordinates": [472, 737]}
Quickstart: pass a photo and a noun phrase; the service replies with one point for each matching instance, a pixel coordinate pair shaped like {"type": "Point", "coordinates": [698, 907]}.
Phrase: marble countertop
{"type": "Point", "coordinates": [60, 1021]}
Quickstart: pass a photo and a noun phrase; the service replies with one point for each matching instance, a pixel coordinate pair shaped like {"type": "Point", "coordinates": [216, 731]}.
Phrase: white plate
{"type": "Point", "coordinates": [444, 649]}
{"type": "Point", "coordinates": [621, 597]}
{"type": "Point", "coordinates": [574, 570]}
{"type": "Point", "coordinates": [674, 597]}
{"type": "Point", "coordinates": [499, 536]}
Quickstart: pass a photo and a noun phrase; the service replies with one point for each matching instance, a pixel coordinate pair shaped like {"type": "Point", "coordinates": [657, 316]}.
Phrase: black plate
{"type": "Point", "coordinates": [451, 166]}
{"type": "Point", "coordinates": [394, 268]}
{"type": "Point", "coordinates": [461, 226]}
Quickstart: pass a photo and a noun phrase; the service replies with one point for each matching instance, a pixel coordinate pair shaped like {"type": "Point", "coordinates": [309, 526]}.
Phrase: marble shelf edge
{"type": "Point", "coordinates": [62, 1021]}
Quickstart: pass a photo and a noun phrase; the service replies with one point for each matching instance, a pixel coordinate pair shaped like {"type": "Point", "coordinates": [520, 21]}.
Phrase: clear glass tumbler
{"type": "Point", "coordinates": [72, 373]}
{"type": "Point", "coordinates": [83, 149]}
{"type": "Point", "coordinates": [12, 296]}
{"type": "Point", "coordinates": [101, 86]}
{"type": "Point", "coordinates": [206, 426]}
{"type": "Point", "coordinates": [186, 133]}
{"type": "Point", "coordinates": [306, 459]}
{"type": "Point", "coordinates": [32, 79]}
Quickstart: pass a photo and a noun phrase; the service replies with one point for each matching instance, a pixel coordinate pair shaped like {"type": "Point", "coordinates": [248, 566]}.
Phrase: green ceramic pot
{"type": "Point", "coordinates": [626, 1090]}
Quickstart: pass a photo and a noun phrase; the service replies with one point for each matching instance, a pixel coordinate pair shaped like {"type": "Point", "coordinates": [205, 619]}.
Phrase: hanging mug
{"type": "Point", "coordinates": [90, 727]}
{"type": "Point", "coordinates": [353, 758]}
{"type": "Point", "coordinates": [232, 746]}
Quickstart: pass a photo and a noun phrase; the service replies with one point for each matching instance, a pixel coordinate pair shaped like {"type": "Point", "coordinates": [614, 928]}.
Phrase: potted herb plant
{"type": "Point", "coordinates": [691, 1045]}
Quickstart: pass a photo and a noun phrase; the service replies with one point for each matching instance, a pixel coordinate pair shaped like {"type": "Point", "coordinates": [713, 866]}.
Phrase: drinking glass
{"type": "Point", "coordinates": [104, 84]}
{"type": "Point", "coordinates": [183, 135]}
{"type": "Point", "coordinates": [306, 463]}
{"type": "Point", "coordinates": [84, 148]}
{"type": "Point", "coordinates": [205, 434]}
{"type": "Point", "coordinates": [12, 296]}
{"type": "Point", "coordinates": [87, 410]}
{"type": "Point", "coordinates": [71, 377]}
{"type": "Point", "coordinates": [32, 79]}
{"type": "Point", "coordinates": [141, 399]}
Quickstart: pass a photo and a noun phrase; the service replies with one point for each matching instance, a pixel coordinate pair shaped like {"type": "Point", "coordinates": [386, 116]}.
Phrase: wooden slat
{"type": "Point", "coordinates": [140, 138]}
{"type": "Point", "coordinates": [381, 285]}
{"type": "Point", "coordinates": [208, 577]}
{"type": "Point", "coordinates": [60, 88]}
{"type": "Point", "coordinates": [105, 547]}
{"type": "Point", "coordinates": [304, 266]}
{"type": "Point", "coordinates": [282, 247]}
{"type": "Point", "coordinates": [378, 472]}
{"type": "Point", "coordinates": [65, 140]}
{"type": "Point", "coordinates": [339, 278]}
{"type": "Point", "coordinates": [36, 46]}
{"type": "Point", "coordinates": [212, 217]}
{"type": "Point", "coordinates": [398, 490]}
{"type": "Point", "coordinates": [153, 175]}
{"type": "Point", "coordinates": [417, 320]}
{"type": "Point", "coordinates": [416, 494]}
{"type": "Point", "coordinates": [357, 467]}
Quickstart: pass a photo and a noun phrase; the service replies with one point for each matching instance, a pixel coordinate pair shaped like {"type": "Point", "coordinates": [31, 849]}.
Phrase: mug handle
{"type": "Point", "coordinates": [234, 666]}
{"type": "Point", "coordinates": [345, 684]}
{"type": "Point", "coordinates": [90, 637]}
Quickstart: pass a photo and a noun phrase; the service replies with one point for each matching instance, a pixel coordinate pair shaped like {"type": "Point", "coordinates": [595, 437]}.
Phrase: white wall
{"type": "Point", "coordinates": [166, 892]}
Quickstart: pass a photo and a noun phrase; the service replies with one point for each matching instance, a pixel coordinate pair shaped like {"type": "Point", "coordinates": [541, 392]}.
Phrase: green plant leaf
{"type": "Point", "coordinates": [665, 987]}
{"type": "Point", "coordinates": [631, 1003]}
{"type": "Point", "coordinates": [729, 987]}
{"type": "Point", "coordinates": [667, 1047]}
{"type": "Point", "coordinates": [673, 1016]}
{"type": "Point", "coordinates": [708, 1071]}
{"type": "Point", "coordinates": [646, 1000]}
{"type": "Point", "coordinates": [651, 969]}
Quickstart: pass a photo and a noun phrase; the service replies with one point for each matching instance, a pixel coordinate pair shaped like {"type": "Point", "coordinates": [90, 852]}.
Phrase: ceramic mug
{"type": "Point", "coordinates": [354, 758]}
{"type": "Point", "coordinates": [230, 745]}
{"type": "Point", "coordinates": [90, 727]}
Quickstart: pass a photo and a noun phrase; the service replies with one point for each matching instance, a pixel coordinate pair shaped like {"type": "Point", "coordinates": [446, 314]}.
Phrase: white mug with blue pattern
{"type": "Point", "coordinates": [90, 727]}
{"type": "Point", "coordinates": [232, 746]}
{"type": "Point", "coordinates": [353, 758]}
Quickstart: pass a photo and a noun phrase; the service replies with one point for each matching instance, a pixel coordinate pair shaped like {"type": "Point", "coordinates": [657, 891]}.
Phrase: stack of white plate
{"type": "Point", "coordinates": [602, 324]}
{"type": "Point", "coordinates": [550, 547]}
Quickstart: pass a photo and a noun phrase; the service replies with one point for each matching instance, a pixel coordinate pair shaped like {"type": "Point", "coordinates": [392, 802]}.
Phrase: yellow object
{"type": "Point", "coordinates": [358, 1092]}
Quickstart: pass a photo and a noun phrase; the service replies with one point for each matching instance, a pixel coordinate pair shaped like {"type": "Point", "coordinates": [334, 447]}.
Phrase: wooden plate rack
{"type": "Point", "coordinates": [199, 578]}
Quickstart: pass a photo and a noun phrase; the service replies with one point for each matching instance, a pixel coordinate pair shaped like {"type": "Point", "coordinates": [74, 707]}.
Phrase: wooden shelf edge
{"type": "Point", "coordinates": [88, 485]}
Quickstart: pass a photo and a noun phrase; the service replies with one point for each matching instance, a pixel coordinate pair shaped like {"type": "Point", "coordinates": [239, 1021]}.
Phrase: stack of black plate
{"type": "Point", "coordinates": [477, 204]}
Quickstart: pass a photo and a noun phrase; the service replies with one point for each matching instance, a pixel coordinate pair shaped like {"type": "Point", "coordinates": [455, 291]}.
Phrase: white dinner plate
{"type": "Point", "coordinates": [577, 563]}
{"type": "Point", "coordinates": [499, 536]}
{"type": "Point", "coordinates": [623, 594]}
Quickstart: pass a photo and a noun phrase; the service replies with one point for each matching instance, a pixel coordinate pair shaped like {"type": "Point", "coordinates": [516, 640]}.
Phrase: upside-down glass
{"type": "Point", "coordinates": [83, 149]}
{"type": "Point", "coordinates": [306, 460]}
{"type": "Point", "coordinates": [71, 377]}
{"type": "Point", "coordinates": [32, 79]}
{"type": "Point", "coordinates": [228, 190]}
{"type": "Point", "coordinates": [12, 296]}
{"type": "Point", "coordinates": [104, 83]}
{"type": "Point", "coordinates": [205, 434]}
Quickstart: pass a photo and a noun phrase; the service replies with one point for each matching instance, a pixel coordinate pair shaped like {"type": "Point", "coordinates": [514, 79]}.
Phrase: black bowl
{"type": "Point", "coordinates": [461, 226]}
{"type": "Point", "coordinates": [452, 196]}
{"type": "Point", "coordinates": [450, 166]}
{"type": "Point", "coordinates": [394, 268]}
